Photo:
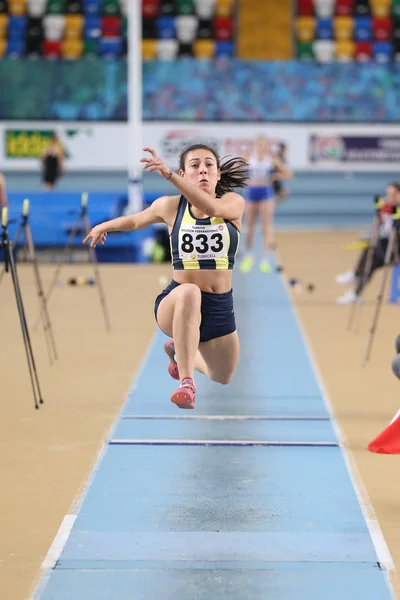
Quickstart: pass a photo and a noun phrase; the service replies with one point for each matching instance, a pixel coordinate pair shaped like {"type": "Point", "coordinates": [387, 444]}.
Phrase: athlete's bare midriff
{"type": "Point", "coordinates": [215, 282]}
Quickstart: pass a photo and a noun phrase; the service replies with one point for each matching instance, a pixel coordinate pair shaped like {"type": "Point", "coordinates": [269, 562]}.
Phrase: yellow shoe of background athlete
{"type": "Point", "coordinates": [265, 267]}
{"type": "Point", "coordinates": [246, 264]}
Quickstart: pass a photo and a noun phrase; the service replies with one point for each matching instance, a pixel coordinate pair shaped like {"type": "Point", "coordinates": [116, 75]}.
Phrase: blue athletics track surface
{"type": "Point", "coordinates": [250, 496]}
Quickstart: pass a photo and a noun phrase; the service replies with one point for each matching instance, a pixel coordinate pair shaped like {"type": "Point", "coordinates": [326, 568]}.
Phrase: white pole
{"type": "Point", "coordinates": [135, 125]}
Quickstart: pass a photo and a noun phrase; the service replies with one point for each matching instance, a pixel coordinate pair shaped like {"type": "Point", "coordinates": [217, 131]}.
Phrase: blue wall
{"type": "Point", "coordinates": [192, 90]}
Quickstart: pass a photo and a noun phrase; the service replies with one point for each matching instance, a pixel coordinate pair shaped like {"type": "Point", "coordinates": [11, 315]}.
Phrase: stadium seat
{"type": "Point", "coordinates": [305, 28]}
{"type": "Point", "coordinates": [305, 51]}
{"type": "Point", "coordinates": [345, 50]}
{"type": "Point", "coordinates": [205, 29]}
{"type": "Point", "coordinates": [167, 49]}
{"type": "Point", "coordinates": [53, 27]}
{"type": "Point", "coordinates": [395, 10]}
{"type": "Point", "coordinates": [396, 30]}
{"type": "Point", "coordinates": [323, 50]}
{"type": "Point", "coordinates": [344, 8]}
{"type": "Point", "coordinates": [226, 49]}
{"type": "Point", "coordinates": [17, 28]}
{"type": "Point", "coordinates": [362, 8]}
{"type": "Point", "coordinates": [56, 7]}
{"type": "Point", "coordinates": [149, 49]}
{"type": "Point", "coordinates": [185, 50]}
{"type": "Point", "coordinates": [91, 7]}
{"type": "Point", "coordinates": [324, 9]}
{"type": "Point", "coordinates": [36, 8]}
{"type": "Point", "coordinates": [111, 26]}
{"type": "Point", "coordinates": [204, 49]}
{"type": "Point", "coordinates": [73, 27]}
{"type": "Point", "coordinates": [223, 8]}
{"type": "Point", "coordinates": [3, 26]}
{"type": "Point", "coordinates": [90, 47]}
{"type": "Point", "coordinates": [363, 51]}
{"type": "Point", "coordinates": [15, 48]}
{"type": "Point", "coordinates": [186, 28]}
{"type": "Point", "coordinates": [382, 29]}
{"type": "Point", "coordinates": [382, 51]}
{"type": "Point", "coordinates": [362, 29]}
{"type": "Point", "coordinates": [343, 28]}
{"type": "Point", "coordinates": [167, 8]}
{"type": "Point", "coordinates": [3, 7]}
{"type": "Point", "coordinates": [166, 27]}
{"type": "Point", "coordinates": [149, 9]}
{"type": "Point", "coordinates": [110, 8]}
{"type": "Point", "coordinates": [324, 29]}
{"type": "Point", "coordinates": [204, 8]}
{"type": "Point", "coordinates": [74, 7]}
{"type": "Point", "coordinates": [149, 29]}
{"type": "Point", "coordinates": [223, 28]}
{"type": "Point", "coordinates": [110, 47]}
{"type": "Point", "coordinates": [71, 49]}
{"type": "Point", "coordinates": [305, 8]}
{"type": "Point", "coordinates": [3, 47]}
{"type": "Point", "coordinates": [185, 7]}
{"type": "Point", "coordinates": [396, 50]}
{"type": "Point", "coordinates": [52, 49]}
{"type": "Point", "coordinates": [17, 8]}
{"type": "Point", "coordinates": [380, 8]}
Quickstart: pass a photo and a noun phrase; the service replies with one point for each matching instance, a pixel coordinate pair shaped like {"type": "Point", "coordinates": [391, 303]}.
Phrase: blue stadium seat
{"type": "Point", "coordinates": [382, 51]}
{"type": "Point", "coordinates": [15, 48]}
{"type": "Point", "coordinates": [224, 49]}
{"type": "Point", "coordinates": [166, 28]}
{"type": "Point", "coordinates": [362, 29]}
{"type": "Point", "coordinates": [110, 47]}
{"type": "Point", "coordinates": [92, 7]}
{"type": "Point", "coordinates": [324, 29]}
{"type": "Point", "coordinates": [17, 27]}
{"type": "Point", "coordinates": [92, 27]}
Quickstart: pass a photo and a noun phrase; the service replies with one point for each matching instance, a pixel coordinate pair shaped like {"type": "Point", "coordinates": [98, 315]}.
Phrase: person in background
{"type": "Point", "coordinates": [52, 163]}
{"type": "Point", "coordinates": [280, 191]}
{"type": "Point", "coordinates": [3, 192]}
{"type": "Point", "coordinates": [360, 275]}
{"type": "Point", "coordinates": [260, 201]}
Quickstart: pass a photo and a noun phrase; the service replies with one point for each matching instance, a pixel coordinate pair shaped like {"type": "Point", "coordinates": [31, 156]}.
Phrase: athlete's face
{"type": "Point", "coordinates": [201, 169]}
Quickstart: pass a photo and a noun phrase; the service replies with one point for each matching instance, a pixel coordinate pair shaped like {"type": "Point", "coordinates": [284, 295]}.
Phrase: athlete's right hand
{"type": "Point", "coordinates": [97, 235]}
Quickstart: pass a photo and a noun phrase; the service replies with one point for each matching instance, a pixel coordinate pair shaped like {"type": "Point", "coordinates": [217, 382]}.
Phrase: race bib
{"type": "Point", "coordinates": [200, 242]}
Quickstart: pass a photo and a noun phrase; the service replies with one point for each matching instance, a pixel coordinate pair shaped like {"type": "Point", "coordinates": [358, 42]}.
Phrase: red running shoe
{"type": "Point", "coordinates": [169, 348]}
{"type": "Point", "coordinates": [185, 395]}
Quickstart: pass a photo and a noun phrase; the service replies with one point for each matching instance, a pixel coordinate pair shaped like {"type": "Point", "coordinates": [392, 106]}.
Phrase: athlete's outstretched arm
{"type": "Point", "coordinates": [230, 206]}
{"type": "Point", "coordinates": [153, 214]}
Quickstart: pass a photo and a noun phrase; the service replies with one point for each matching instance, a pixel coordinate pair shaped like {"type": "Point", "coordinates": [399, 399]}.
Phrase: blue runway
{"type": "Point", "coordinates": [248, 497]}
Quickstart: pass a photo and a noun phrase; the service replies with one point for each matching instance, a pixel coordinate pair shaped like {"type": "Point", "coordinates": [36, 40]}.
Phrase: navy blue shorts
{"type": "Point", "coordinates": [217, 313]}
{"type": "Point", "coordinates": [260, 193]}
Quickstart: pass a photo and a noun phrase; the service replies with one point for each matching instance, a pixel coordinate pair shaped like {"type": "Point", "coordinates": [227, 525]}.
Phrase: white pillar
{"type": "Point", "coordinates": [135, 125]}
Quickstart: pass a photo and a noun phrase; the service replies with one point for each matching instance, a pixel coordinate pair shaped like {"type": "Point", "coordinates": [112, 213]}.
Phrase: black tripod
{"type": "Point", "coordinates": [82, 222]}
{"type": "Point", "coordinates": [391, 250]}
{"type": "Point", "coordinates": [355, 309]}
{"type": "Point", "coordinates": [9, 263]}
{"type": "Point", "coordinates": [30, 255]}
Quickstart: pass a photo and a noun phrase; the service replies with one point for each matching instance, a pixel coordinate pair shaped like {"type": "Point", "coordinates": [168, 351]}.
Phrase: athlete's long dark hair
{"type": "Point", "coordinates": [234, 172]}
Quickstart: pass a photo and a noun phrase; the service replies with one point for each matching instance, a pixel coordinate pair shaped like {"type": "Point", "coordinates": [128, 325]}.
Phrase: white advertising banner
{"type": "Point", "coordinates": [104, 146]}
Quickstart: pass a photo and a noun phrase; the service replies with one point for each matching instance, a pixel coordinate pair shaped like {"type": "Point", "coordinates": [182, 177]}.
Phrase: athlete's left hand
{"type": "Point", "coordinates": [155, 163]}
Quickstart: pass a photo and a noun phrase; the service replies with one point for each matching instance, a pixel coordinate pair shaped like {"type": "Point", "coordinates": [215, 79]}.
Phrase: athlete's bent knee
{"type": "Point", "coordinates": [223, 380]}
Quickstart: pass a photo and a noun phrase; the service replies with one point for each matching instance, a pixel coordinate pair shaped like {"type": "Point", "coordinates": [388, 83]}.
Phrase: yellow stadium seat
{"type": "Point", "coordinates": [204, 49]}
{"type": "Point", "coordinates": [149, 49]}
{"type": "Point", "coordinates": [71, 49]}
{"type": "Point", "coordinates": [73, 27]}
{"type": "Point", "coordinates": [17, 8]}
{"type": "Point", "coordinates": [343, 27]}
{"type": "Point", "coordinates": [345, 50]}
{"type": "Point", "coordinates": [224, 8]}
{"type": "Point", "coordinates": [3, 46]}
{"type": "Point", "coordinates": [305, 27]}
{"type": "Point", "coordinates": [380, 8]}
{"type": "Point", "coordinates": [3, 26]}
